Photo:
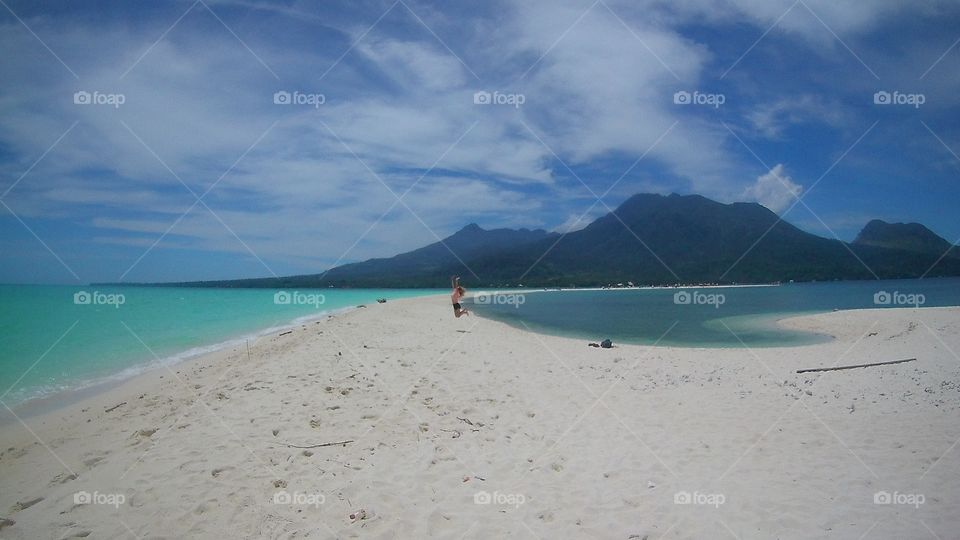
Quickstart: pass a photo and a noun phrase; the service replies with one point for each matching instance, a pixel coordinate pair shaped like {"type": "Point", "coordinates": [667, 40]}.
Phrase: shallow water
{"type": "Point", "coordinates": [51, 341]}
{"type": "Point", "coordinates": [704, 317]}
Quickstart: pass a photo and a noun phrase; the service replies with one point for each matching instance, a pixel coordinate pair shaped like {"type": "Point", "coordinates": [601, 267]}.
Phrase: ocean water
{"type": "Point", "coordinates": [55, 338]}
{"type": "Point", "coordinates": [703, 317]}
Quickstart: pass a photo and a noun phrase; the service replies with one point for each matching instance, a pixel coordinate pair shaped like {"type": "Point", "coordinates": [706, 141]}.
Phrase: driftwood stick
{"type": "Point", "coordinates": [856, 366]}
{"type": "Point", "coordinates": [115, 406]}
{"type": "Point", "coordinates": [321, 445]}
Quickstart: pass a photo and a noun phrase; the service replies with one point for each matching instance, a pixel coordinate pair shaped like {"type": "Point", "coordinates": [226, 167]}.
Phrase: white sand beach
{"type": "Point", "coordinates": [469, 428]}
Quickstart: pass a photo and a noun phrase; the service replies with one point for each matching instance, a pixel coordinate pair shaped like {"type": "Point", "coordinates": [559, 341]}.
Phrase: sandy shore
{"type": "Point", "coordinates": [468, 428]}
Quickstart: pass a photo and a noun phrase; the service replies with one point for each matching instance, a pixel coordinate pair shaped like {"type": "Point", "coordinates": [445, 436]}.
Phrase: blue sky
{"type": "Point", "coordinates": [179, 164]}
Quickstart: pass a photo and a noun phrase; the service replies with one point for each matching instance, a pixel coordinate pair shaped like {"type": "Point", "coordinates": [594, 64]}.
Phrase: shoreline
{"type": "Point", "coordinates": [61, 398]}
{"type": "Point", "coordinates": [52, 400]}
{"type": "Point", "coordinates": [133, 376]}
{"type": "Point", "coordinates": [106, 393]}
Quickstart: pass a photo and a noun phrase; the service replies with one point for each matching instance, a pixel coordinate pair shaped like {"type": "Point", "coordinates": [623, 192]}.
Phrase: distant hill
{"type": "Point", "coordinates": [650, 240]}
{"type": "Point", "coordinates": [654, 239]}
{"type": "Point", "coordinates": [906, 236]}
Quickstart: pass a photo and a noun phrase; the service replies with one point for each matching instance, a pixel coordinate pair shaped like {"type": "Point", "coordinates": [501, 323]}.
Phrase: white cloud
{"type": "Point", "coordinates": [771, 119]}
{"type": "Point", "coordinates": [606, 87]}
{"type": "Point", "coordinates": [775, 190]}
{"type": "Point", "coordinates": [417, 67]}
{"type": "Point", "coordinates": [573, 223]}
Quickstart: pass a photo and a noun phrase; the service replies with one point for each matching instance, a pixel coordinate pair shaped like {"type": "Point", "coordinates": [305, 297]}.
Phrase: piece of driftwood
{"type": "Point", "coordinates": [115, 406]}
{"type": "Point", "coordinates": [321, 445]}
{"type": "Point", "coordinates": [838, 368]}
{"type": "Point", "coordinates": [287, 332]}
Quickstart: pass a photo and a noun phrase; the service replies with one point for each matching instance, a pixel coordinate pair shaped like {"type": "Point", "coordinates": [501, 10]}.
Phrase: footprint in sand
{"type": "Point", "coordinates": [62, 478]}
{"type": "Point", "coordinates": [23, 505]}
{"type": "Point", "coordinates": [16, 452]}
{"type": "Point", "coordinates": [216, 472]}
{"type": "Point", "coordinates": [93, 462]}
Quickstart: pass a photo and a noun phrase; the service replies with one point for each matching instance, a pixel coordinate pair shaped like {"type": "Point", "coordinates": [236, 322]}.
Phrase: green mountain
{"type": "Point", "coordinates": [649, 240]}
{"type": "Point", "coordinates": [654, 239]}
{"type": "Point", "coordinates": [906, 236]}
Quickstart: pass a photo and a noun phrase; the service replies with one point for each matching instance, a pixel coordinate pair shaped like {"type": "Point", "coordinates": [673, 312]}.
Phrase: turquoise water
{"type": "Point", "coordinates": [52, 341]}
{"type": "Point", "coordinates": [733, 317]}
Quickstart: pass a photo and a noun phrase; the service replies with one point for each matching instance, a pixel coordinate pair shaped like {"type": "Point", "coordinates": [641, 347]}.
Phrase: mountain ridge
{"type": "Point", "coordinates": [648, 239]}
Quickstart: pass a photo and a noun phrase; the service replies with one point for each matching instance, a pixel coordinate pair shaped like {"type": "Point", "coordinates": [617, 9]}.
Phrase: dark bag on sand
{"type": "Point", "coordinates": [606, 344]}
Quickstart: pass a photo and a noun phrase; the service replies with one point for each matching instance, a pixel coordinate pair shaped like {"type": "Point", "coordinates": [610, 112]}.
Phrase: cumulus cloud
{"type": "Point", "coordinates": [775, 189]}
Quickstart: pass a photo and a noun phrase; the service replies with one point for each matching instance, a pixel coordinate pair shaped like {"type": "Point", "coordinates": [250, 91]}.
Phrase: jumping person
{"type": "Point", "coordinates": [458, 292]}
